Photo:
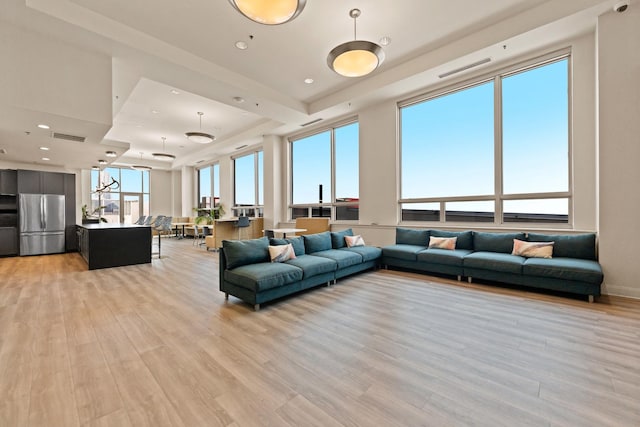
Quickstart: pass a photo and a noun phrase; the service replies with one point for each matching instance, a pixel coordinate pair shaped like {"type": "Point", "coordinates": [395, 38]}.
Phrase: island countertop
{"type": "Point", "coordinates": [111, 225]}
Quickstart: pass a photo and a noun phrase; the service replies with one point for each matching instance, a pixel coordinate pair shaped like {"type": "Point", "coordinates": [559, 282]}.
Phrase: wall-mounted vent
{"type": "Point", "coordinates": [466, 67]}
{"type": "Point", "coordinates": [310, 123]}
{"type": "Point", "coordinates": [68, 137]}
{"type": "Point", "coordinates": [241, 147]}
{"type": "Point", "coordinates": [3, 151]}
{"type": "Point", "coordinates": [199, 161]}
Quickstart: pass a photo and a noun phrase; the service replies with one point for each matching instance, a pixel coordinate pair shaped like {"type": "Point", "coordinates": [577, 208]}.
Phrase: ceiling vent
{"type": "Point", "coordinates": [310, 123]}
{"type": "Point", "coordinates": [68, 137]}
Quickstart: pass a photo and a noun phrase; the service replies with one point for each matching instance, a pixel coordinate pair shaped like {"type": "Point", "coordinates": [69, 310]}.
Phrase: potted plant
{"type": "Point", "coordinates": [91, 218]}
{"type": "Point", "coordinates": [208, 216]}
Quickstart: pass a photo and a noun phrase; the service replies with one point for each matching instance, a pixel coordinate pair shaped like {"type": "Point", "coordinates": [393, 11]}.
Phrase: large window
{"type": "Point", "coordinates": [496, 150]}
{"type": "Point", "coordinates": [209, 187]}
{"type": "Point", "coordinates": [248, 185]}
{"type": "Point", "coordinates": [123, 201]}
{"type": "Point", "coordinates": [325, 174]}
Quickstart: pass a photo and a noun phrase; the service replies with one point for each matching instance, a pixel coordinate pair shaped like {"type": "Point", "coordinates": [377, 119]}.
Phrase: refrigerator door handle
{"type": "Point", "coordinates": [42, 213]}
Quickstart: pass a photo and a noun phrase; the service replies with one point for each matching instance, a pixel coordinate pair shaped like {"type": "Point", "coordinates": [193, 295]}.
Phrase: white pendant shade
{"type": "Point", "coordinates": [269, 12]}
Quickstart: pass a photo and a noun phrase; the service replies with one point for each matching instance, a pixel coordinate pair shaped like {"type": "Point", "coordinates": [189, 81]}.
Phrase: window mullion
{"type": "Point", "coordinates": [333, 173]}
{"type": "Point", "coordinates": [497, 131]}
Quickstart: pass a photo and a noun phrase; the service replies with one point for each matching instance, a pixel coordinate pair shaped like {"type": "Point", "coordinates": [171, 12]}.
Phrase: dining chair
{"type": "Point", "coordinates": [270, 234]}
{"type": "Point", "coordinates": [242, 222]}
{"type": "Point", "coordinates": [198, 235]}
{"type": "Point", "coordinates": [148, 220]}
{"type": "Point", "coordinates": [141, 220]}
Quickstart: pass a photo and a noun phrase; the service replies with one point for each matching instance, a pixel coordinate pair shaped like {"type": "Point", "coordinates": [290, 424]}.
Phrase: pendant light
{"type": "Point", "coordinates": [200, 137]}
{"type": "Point", "coordinates": [356, 58]}
{"type": "Point", "coordinates": [141, 167]}
{"type": "Point", "coordinates": [163, 155]}
{"type": "Point", "coordinates": [269, 12]}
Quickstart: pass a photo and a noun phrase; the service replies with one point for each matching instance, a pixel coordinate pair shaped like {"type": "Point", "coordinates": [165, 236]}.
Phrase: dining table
{"type": "Point", "coordinates": [284, 231]}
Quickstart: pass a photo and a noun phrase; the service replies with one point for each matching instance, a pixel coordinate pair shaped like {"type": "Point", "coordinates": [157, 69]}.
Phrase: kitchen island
{"type": "Point", "coordinates": [113, 245]}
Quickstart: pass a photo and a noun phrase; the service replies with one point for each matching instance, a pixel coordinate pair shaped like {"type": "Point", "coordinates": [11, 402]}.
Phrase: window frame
{"type": "Point", "coordinates": [256, 208]}
{"type": "Point", "coordinates": [212, 182]}
{"type": "Point", "coordinates": [499, 197]}
{"type": "Point", "coordinates": [333, 205]}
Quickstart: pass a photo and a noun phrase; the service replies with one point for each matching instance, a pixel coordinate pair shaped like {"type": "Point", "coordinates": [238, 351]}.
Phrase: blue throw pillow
{"type": "Point", "coordinates": [495, 242]}
{"type": "Point", "coordinates": [296, 242]}
{"type": "Point", "coordinates": [317, 242]}
{"type": "Point", "coordinates": [464, 238]}
{"type": "Point", "coordinates": [244, 252]}
{"type": "Point", "coordinates": [411, 236]}
{"type": "Point", "coordinates": [337, 238]}
{"type": "Point", "coordinates": [581, 246]}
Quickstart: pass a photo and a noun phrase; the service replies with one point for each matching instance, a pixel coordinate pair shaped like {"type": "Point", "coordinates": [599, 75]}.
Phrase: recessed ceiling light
{"type": "Point", "coordinates": [41, 126]}
{"type": "Point", "coordinates": [308, 81]}
{"type": "Point", "coordinates": [385, 41]}
{"type": "Point", "coordinates": [241, 45]}
{"type": "Point", "coordinates": [175, 92]}
{"type": "Point", "coordinates": [111, 154]}
{"type": "Point", "coordinates": [102, 162]}
{"type": "Point", "coordinates": [44, 148]}
{"type": "Point", "coordinates": [95, 168]}
{"type": "Point", "coordinates": [155, 111]}
{"type": "Point", "coordinates": [46, 159]}
{"type": "Point", "coordinates": [238, 99]}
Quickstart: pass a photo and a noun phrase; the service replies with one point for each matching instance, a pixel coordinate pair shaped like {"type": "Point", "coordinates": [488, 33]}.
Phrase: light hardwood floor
{"type": "Point", "coordinates": [156, 345]}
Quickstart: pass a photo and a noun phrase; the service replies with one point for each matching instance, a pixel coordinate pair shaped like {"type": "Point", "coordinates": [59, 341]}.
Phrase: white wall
{"type": "Point", "coordinates": [618, 36]}
{"type": "Point", "coordinates": [273, 179]}
{"type": "Point", "coordinates": [160, 196]}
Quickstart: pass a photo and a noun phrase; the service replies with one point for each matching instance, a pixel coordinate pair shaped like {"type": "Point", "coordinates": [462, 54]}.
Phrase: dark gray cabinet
{"type": "Point", "coordinates": [37, 182]}
{"type": "Point", "coordinates": [29, 182]}
{"type": "Point", "coordinates": [8, 181]}
{"type": "Point", "coordinates": [8, 241]}
{"type": "Point", "coordinates": [70, 212]}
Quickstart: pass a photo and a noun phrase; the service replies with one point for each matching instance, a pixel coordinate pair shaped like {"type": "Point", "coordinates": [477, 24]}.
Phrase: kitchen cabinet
{"type": "Point", "coordinates": [37, 182]}
{"type": "Point", "coordinates": [70, 212]}
{"type": "Point", "coordinates": [8, 181]}
{"type": "Point", "coordinates": [8, 241]}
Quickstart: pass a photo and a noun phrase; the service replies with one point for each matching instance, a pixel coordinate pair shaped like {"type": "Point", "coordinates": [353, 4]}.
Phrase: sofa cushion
{"type": "Point", "coordinates": [464, 241]}
{"type": "Point", "coordinates": [317, 242]}
{"type": "Point", "coordinates": [296, 242]}
{"type": "Point", "coordinates": [368, 253]}
{"type": "Point", "coordinates": [495, 242]}
{"type": "Point", "coordinates": [337, 238]}
{"type": "Point", "coordinates": [581, 246]}
{"type": "Point", "coordinates": [263, 275]}
{"type": "Point", "coordinates": [495, 261]}
{"type": "Point", "coordinates": [313, 265]}
{"type": "Point", "coordinates": [243, 252]}
{"type": "Point", "coordinates": [443, 256]}
{"type": "Point", "coordinates": [401, 251]}
{"type": "Point", "coordinates": [410, 236]}
{"type": "Point", "coordinates": [344, 258]}
{"type": "Point", "coordinates": [580, 270]}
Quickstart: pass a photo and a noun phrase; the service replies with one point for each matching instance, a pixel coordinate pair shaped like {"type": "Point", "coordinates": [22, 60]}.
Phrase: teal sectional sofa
{"type": "Point", "coordinates": [573, 267]}
{"type": "Point", "coordinates": [246, 271]}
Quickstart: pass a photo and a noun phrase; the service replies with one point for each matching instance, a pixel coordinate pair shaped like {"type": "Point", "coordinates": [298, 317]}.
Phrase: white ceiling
{"type": "Point", "coordinates": [188, 46]}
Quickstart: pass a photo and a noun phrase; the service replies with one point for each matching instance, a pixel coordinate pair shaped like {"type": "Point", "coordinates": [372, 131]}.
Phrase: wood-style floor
{"type": "Point", "coordinates": [156, 345]}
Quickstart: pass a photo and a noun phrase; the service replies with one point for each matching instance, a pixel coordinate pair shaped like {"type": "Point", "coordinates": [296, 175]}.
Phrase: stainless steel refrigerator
{"type": "Point", "coordinates": [41, 219]}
